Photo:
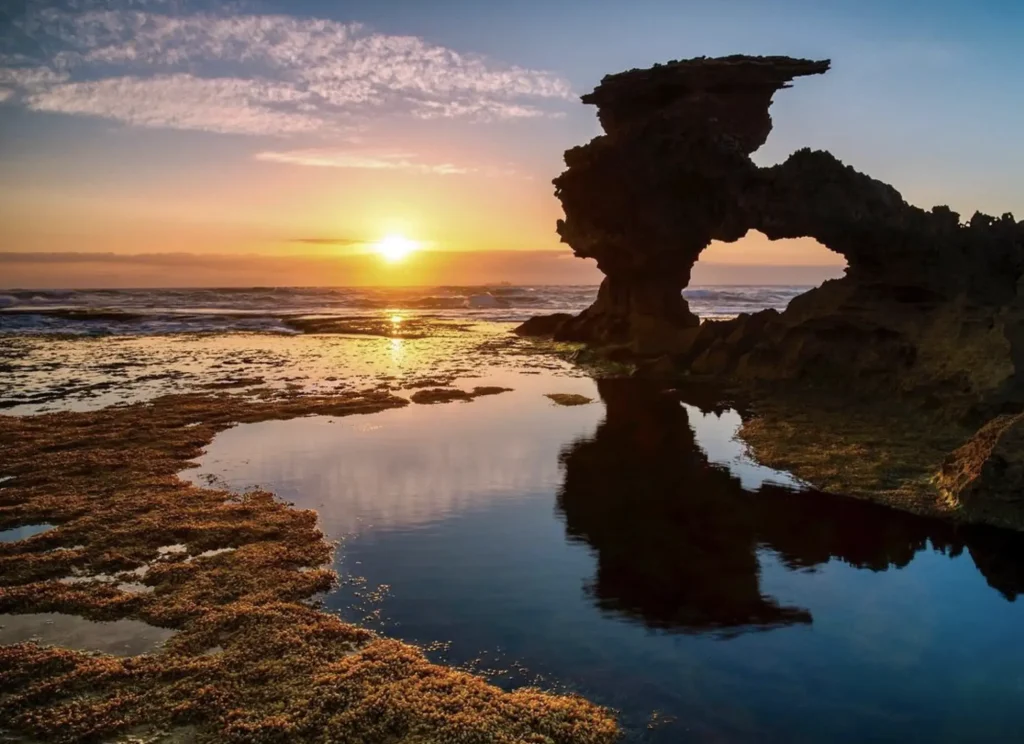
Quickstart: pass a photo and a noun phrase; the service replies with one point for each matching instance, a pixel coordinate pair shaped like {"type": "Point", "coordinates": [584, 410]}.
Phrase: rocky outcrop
{"type": "Point", "coordinates": [986, 473]}
{"type": "Point", "coordinates": [928, 304]}
{"type": "Point", "coordinates": [543, 325]}
{"type": "Point", "coordinates": [646, 198]}
{"type": "Point", "coordinates": [931, 308]}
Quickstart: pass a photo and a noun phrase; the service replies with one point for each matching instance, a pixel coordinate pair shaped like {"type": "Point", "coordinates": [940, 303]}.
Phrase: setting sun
{"type": "Point", "coordinates": [394, 248]}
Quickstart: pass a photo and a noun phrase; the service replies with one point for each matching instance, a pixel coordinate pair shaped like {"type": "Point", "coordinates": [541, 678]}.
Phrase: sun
{"type": "Point", "coordinates": [394, 248]}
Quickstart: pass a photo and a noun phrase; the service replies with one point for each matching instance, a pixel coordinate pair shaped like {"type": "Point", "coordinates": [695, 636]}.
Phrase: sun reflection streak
{"type": "Point", "coordinates": [397, 351]}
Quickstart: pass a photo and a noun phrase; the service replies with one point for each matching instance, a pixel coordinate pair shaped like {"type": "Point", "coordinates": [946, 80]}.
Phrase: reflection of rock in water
{"type": "Point", "coordinates": [675, 541]}
{"type": "Point", "coordinates": [677, 538]}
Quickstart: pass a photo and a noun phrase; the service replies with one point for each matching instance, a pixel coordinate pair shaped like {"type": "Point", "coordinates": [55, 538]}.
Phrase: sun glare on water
{"type": "Point", "coordinates": [394, 248]}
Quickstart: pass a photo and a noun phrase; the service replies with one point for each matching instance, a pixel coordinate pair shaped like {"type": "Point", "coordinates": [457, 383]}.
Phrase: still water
{"type": "Point", "coordinates": [630, 551]}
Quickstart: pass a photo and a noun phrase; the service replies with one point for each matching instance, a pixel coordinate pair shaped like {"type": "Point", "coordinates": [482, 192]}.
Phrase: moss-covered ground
{"type": "Point", "coordinates": [887, 452]}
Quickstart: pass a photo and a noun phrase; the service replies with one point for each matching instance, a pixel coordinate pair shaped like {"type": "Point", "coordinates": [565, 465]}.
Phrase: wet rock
{"type": "Point", "coordinates": [568, 399]}
{"type": "Point", "coordinates": [446, 395]}
{"type": "Point", "coordinates": [543, 325]}
{"type": "Point", "coordinates": [662, 368]}
{"type": "Point", "coordinates": [986, 475]}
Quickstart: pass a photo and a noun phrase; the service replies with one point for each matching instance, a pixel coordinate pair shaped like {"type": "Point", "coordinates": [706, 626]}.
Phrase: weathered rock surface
{"type": "Point", "coordinates": [986, 474]}
{"type": "Point", "coordinates": [931, 308]}
{"type": "Point", "coordinates": [543, 325]}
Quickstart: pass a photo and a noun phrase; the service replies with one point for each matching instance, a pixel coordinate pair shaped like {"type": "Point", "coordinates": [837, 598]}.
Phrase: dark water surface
{"type": "Point", "coordinates": [629, 551]}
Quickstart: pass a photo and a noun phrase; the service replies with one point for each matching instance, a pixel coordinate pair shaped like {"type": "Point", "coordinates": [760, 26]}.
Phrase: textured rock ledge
{"type": "Point", "coordinates": [930, 312]}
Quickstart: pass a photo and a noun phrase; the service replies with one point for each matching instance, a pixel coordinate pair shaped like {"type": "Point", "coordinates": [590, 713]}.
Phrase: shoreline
{"type": "Point", "coordinates": [250, 660]}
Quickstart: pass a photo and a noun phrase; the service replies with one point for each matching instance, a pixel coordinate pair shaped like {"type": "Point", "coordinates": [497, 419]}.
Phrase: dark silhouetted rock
{"type": "Point", "coordinates": [928, 304]}
{"type": "Point", "coordinates": [661, 368]}
{"type": "Point", "coordinates": [646, 198]}
{"type": "Point", "coordinates": [542, 325]}
{"type": "Point", "coordinates": [930, 310]}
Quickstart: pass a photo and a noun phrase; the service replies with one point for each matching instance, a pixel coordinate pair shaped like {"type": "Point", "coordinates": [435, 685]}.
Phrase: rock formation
{"type": "Point", "coordinates": [986, 473]}
{"type": "Point", "coordinates": [930, 309]}
{"type": "Point", "coordinates": [647, 197]}
{"type": "Point", "coordinates": [673, 172]}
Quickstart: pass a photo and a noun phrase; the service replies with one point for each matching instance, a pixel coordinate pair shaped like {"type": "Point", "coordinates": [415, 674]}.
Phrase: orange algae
{"type": "Point", "coordinates": [446, 395]}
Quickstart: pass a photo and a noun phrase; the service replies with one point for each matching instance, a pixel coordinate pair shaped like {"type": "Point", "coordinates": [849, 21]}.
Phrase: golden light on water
{"type": "Point", "coordinates": [394, 248]}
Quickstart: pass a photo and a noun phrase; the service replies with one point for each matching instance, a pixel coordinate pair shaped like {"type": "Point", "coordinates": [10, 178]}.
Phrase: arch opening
{"type": "Point", "coordinates": [756, 273]}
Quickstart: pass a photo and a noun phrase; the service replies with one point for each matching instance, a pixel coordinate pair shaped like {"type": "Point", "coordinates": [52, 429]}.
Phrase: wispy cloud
{"type": "Point", "coordinates": [181, 102]}
{"type": "Point", "coordinates": [254, 74]}
{"type": "Point", "coordinates": [327, 241]}
{"type": "Point", "coordinates": [363, 160]}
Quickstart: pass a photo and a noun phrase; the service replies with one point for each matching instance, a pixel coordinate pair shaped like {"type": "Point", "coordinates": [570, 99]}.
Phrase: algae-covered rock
{"type": "Point", "coordinates": [568, 399]}
{"type": "Point", "coordinates": [251, 659]}
{"type": "Point", "coordinates": [432, 396]}
{"type": "Point", "coordinates": [986, 475]}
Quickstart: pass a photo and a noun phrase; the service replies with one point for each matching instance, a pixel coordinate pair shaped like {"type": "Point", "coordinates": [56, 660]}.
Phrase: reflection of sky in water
{"type": "Point", "coordinates": [628, 550]}
{"type": "Point", "coordinates": [716, 435]}
{"type": "Point", "coordinates": [118, 637]}
{"type": "Point", "coordinates": [430, 462]}
{"type": "Point", "coordinates": [25, 531]}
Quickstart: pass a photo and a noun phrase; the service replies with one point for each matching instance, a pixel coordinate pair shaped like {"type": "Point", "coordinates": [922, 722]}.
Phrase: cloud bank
{"type": "Point", "coordinates": [252, 74]}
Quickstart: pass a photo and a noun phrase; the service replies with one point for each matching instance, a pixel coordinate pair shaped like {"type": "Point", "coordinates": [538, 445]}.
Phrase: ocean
{"type": "Point", "coordinates": [141, 312]}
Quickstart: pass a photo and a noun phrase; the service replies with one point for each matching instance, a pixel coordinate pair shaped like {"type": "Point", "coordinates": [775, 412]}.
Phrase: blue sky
{"type": "Point", "coordinates": [243, 127]}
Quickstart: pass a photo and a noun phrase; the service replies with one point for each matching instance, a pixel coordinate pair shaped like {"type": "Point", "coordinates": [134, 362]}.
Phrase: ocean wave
{"type": "Point", "coordinates": [266, 309]}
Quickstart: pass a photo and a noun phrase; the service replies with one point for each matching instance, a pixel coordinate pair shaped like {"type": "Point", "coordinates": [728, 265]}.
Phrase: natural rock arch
{"type": "Point", "coordinates": [673, 172]}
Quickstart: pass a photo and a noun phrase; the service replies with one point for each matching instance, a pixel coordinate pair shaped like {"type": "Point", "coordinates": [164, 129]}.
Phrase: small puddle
{"type": "Point", "coordinates": [24, 532]}
{"type": "Point", "coordinates": [210, 554]}
{"type": "Point", "coordinates": [116, 637]}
